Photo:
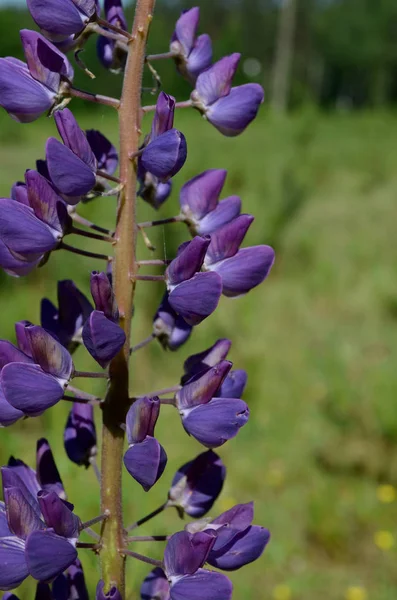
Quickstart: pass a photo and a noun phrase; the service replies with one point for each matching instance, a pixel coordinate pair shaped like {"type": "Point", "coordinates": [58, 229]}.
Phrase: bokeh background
{"type": "Point", "coordinates": [318, 169]}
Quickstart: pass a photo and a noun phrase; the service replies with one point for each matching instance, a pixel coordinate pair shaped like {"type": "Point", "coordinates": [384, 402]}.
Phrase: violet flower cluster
{"type": "Point", "coordinates": [40, 534]}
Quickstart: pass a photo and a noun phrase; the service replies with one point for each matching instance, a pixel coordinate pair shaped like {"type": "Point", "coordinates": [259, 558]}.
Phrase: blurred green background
{"type": "Point", "coordinates": [318, 338]}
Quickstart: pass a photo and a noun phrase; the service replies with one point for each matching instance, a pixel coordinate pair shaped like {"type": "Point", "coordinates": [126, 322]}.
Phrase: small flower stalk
{"type": "Point", "coordinates": [41, 534]}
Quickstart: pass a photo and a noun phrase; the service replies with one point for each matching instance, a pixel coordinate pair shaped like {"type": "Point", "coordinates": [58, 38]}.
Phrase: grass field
{"type": "Point", "coordinates": [319, 339]}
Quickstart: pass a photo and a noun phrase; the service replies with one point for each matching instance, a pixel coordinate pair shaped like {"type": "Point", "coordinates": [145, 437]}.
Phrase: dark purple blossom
{"type": "Point", "coordinates": [112, 594]}
{"type": "Point", "coordinates": [192, 54]}
{"type": "Point", "coordinates": [111, 54]}
{"type": "Point", "coordinates": [46, 369]}
{"type": "Point", "coordinates": [240, 270]}
{"type": "Point", "coordinates": [155, 586]}
{"type": "Point", "coordinates": [102, 336]}
{"type": "Point", "coordinates": [105, 152]}
{"type": "Point", "coordinates": [197, 484]}
{"type": "Point", "coordinates": [59, 19]}
{"type": "Point", "coordinates": [72, 165]}
{"type": "Point", "coordinates": [66, 322]}
{"type": "Point", "coordinates": [27, 90]}
{"type": "Point", "coordinates": [41, 531]}
{"type": "Point", "coordinates": [200, 206]}
{"type": "Point", "coordinates": [70, 584]}
{"type": "Point", "coordinates": [192, 295]}
{"type": "Point", "coordinates": [145, 459]}
{"type": "Point", "coordinates": [80, 434]}
{"type": "Point", "coordinates": [169, 328]}
{"type": "Point", "coordinates": [229, 109]}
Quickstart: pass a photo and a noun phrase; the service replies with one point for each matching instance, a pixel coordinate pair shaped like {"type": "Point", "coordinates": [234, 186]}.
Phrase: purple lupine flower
{"type": "Point", "coordinates": [169, 328]}
{"type": "Point", "coordinates": [59, 19]}
{"type": "Point", "coordinates": [184, 556]}
{"type": "Point", "coordinates": [212, 420]}
{"type": "Point", "coordinates": [240, 270]}
{"type": "Point", "coordinates": [153, 191]}
{"type": "Point", "coordinates": [192, 295]}
{"type": "Point", "coordinates": [30, 231]}
{"type": "Point", "coordinates": [70, 584]}
{"type": "Point", "coordinates": [102, 336]}
{"type": "Point", "coordinates": [155, 586]}
{"type": "Point", "coordinates": [80, 434]}
{"type": "Point", "coordinates": [47, 370]}
{"type": "Point", "coordinates": [192, 54]}
{"type": "Point", "coordinates": [111, 54]}
{"type": "Point", "coordinates": [238, 542]}
{"type": "Point", "coordinates": [66, 322]}
{"type": "Point", "coordinates": [27, 90]}
{"type": "Point", "coordinates": [200, 206]}
{"type": "Point", "coordinates": [72, 165]}
{"type": "Point", "coordinates": [105, 152]}
{"type": "Point", "coordinates": [165, 150]}
{"type": "Point", "coordinates": [39, 524]}
{"type": "Point", "coordinates": [197, 484]}
{"type": "Point", "coordinates": [229, 109]}
{"type": "Point", "coordinates": [112, 594]}
{"type": "Point", "coordinates": [145, 459]}
{"type": "Point", "coordinates": [47, 473]}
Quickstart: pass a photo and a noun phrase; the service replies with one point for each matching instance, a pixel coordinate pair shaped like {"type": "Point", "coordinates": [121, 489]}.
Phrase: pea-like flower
{"type": "Point", "coordinates": [59, 19]}
{"type": "Point", "coordinates": [240, 270]}
{"type": "Point", "coordinates": [169, 328]}
{"type": "Point", "coordinates": [197, 484]}
{"type": "Point", "coordinates": [80, 434]}
{"type": "Point", "coordinates": [200, 206]}
{"type": "Point", "coordinates": [70, 584]}
{"type": "Point", "coordinates": [27, 90]}
{"type": "Point", "coordinates": [38, 529]}
{"type": "Point", "coordinates": [192, 54]}
{"type": "Point", "coordinates": [111, 53]}
{"type": "Point", "coordinates": [145, 459]}
{"type": "Point", "coordinates": [229, 109]}
{"type": "Point", "coordinates": [192, 295]}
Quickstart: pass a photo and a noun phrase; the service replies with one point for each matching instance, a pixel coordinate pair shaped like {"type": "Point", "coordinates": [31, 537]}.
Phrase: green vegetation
{"type": "Point", "coordinates": [319, 340]}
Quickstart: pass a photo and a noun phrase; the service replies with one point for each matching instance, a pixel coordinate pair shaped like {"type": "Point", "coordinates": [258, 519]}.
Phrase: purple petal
{"type": "Point", "coordinates": [245, 270]}
{"type": "Point", "coordinates": [226, 241]}
{"type": "Point", "coordinates": [88, 7]}
{"type": "Point", "coordinates": [165, 155]}
{"type": "Point", "coordinates": [215, 423]}
{"type": "Point", "coordinates": [19, 192]}
{"type": "Point", "coordinates": [233, 113]}
{"type": "Point", "coordinates": [185, 553]}
{"type": "Point", "coordinates": [4, 529]}
{"type": "Point", "coordinates": [154, 191]}
{"type": "Point", "coordinates": [169, 328]}
{"type": "Point", "coordinates": [69, 173]}
{"type": "Point", "coordinates": [56, 17]}
{"type": "Point", "coordinates": [239, 517]}
{"type": "Point", "coordinates": [224, 213]}
{"type": "Point", "coordinates": [155, 586]}
{"type": "Point", "coordinates": [48, 554]}
{"type": "Point", "coordinates": [163, 119]}
{"type": "Point", "coordinates": [47, 473]}
{"type": "Point", "coordinates": [22, 339]}
{"type": "Point", "coordinates": [9, 353]}
{"type": "Point", "coordinates": [45, 62]}
{"type": "Point", "coordinates": [14, 266]}
{"type": "Point", "coordinates": [145, 462]}
{"type": "Point", "coordinates": [102, 293]}
{"type": "Point", "coordinates": [196, 298]}
{"type": "Point", "coordinates": [188, 262]}
{"type": "Point", "coordinates": [57, 515]}
{"type": "Point", "coordinates": [29, 389]}
{"type": "Point", "coordinates": [18, 474]}
{"type": "Point", "coordinates": [200, 57]}
{"type": "Point", "coordinates": [13, 568]}
{"type": "Point", "coordinates": [200, 195]}
{"type": "Point", "coordinates": [22, 518]}
{"type": "Point", "coordinates": [80, 435]}
{"type": "Point", "coordinates": [234, 384]}
{"type": "Point", "coordinates": [52, 357]}
{"type": "Point", "coordinates": [216, 81]}
{"type": "Point", "coordinates": [203, 585]}
{"type": "Point", "coordinates": [74, 138]}
{"type": "Point", "coordinates": [105, 153]}
{"type": "Point", "coordinates": [208, 358]}
{"type": "Point", "coordinates": [102, 338]}
{"type": "Point", "coordinates": [185, 29]}
{"type": "Point", "coordinates": [23, 232]}
{"type": "Point", "coordinates": [71, 584]}
{"type": "Point", "coordinates": [243, 549]}
{"type": "Point", "coordinates": [142, 418]}
{"type": "Point", "coordinates": [112, 594]}
{"type": "Point", "coordinates": [21, 95]}
{"type": "Point", "coordinates": [198, 483]}
{"type": "Point", "coordinates": [203, 388]}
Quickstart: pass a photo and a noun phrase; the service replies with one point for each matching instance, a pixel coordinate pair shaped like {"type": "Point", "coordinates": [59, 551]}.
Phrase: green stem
{"type": "Point", "coordinates": [124, 268]}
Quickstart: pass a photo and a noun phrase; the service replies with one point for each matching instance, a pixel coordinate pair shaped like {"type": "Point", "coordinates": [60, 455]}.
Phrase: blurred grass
{"type": "Point", "coordinates": [319, 340]}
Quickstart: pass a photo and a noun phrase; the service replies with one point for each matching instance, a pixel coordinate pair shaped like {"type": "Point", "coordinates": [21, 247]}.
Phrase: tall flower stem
{"type": "Point", "coordinates": [124, 268]}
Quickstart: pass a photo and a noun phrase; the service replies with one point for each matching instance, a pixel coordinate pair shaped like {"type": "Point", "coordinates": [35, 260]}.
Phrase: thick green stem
{"type": "Point", "coordinates": [124, 268]}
